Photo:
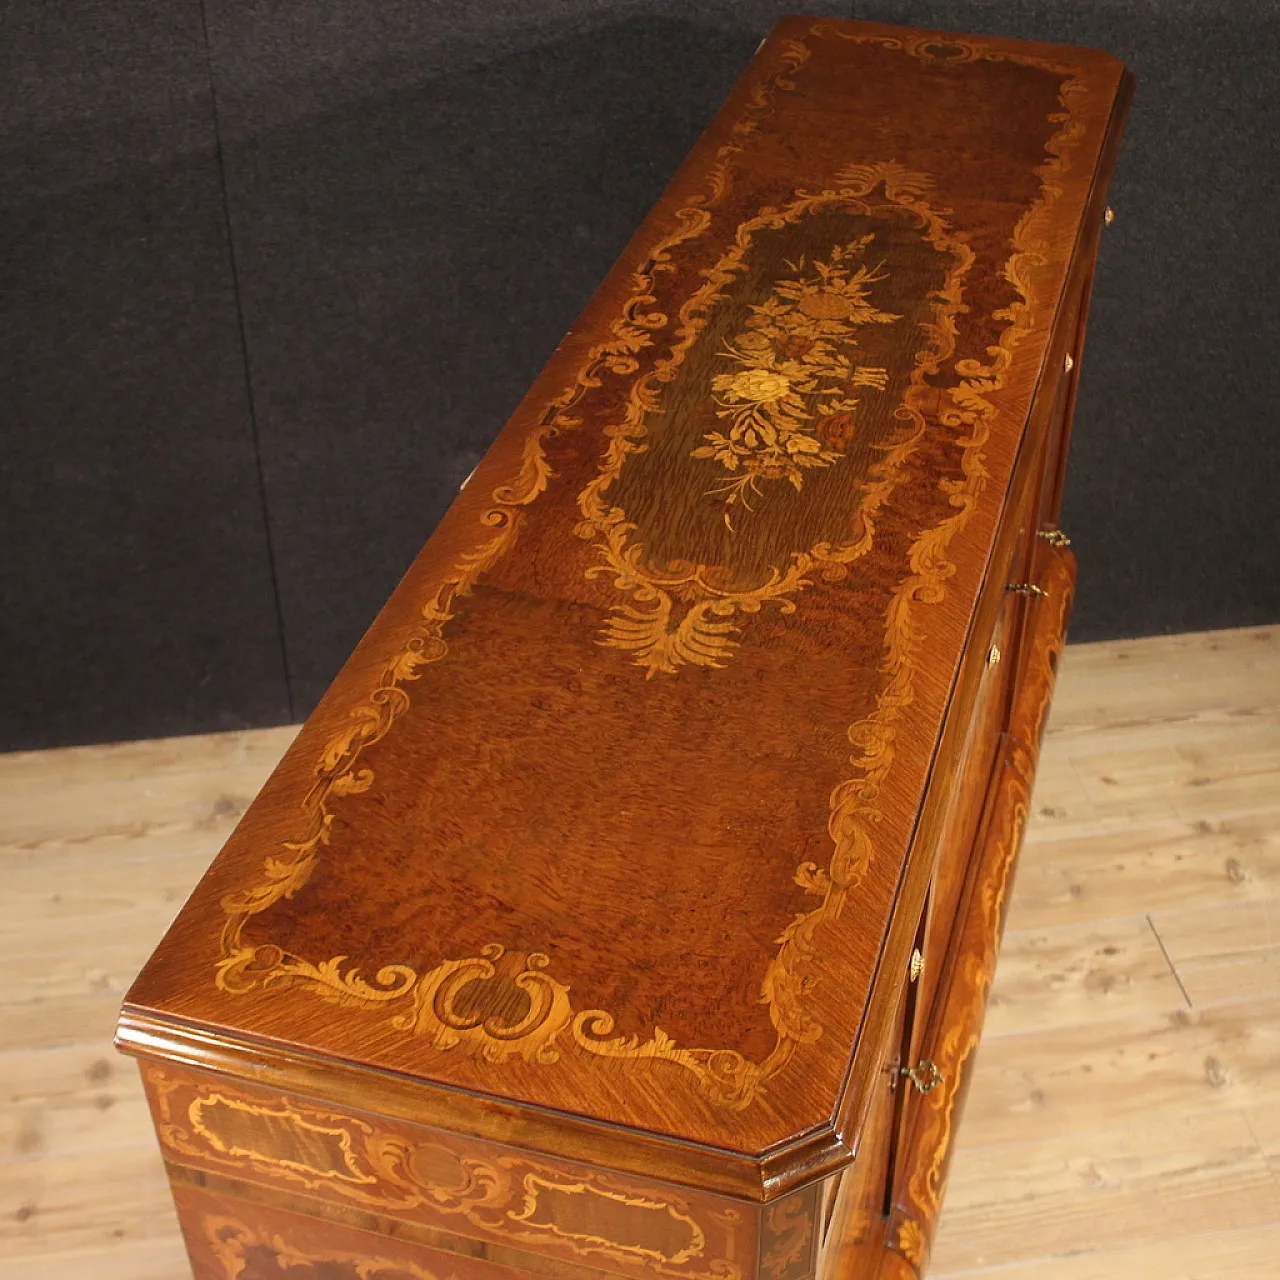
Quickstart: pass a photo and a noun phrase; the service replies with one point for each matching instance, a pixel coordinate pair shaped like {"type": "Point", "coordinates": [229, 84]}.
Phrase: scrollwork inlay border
{"type": "Point", "coordinates": [726, 1077]}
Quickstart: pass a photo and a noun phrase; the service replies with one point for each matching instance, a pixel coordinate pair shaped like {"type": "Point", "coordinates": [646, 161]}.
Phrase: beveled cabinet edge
{"type": "Point", "coordinates": [341, 1082]}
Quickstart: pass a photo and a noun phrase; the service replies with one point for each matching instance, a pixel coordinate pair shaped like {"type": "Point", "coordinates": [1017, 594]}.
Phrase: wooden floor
{"type": "Point", "coordinates": [1125, 1116]}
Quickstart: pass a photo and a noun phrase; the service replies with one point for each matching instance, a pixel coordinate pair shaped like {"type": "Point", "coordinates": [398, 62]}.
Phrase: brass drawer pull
{"type": "Point", "coordinates": [1027, 589]}
{"type": "Point", "coordinates": [1054, 537]}
{"type": "Point", "coordinates": [924, 1075]}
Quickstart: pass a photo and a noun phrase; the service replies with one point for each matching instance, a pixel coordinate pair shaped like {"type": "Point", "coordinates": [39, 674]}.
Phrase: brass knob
{"type": "Point", "coordinates": [916, 968]}
{"type": "Point", "coordinates": [924, 1075]}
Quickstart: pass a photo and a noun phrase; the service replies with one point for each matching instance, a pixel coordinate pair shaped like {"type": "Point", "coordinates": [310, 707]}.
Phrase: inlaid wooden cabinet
{"type": "Point", "coordinates": [629, 903]}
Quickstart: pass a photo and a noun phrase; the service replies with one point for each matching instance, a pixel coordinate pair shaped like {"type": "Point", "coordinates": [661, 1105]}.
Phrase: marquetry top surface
{"type": "Point", "coordinates": [606, 814]}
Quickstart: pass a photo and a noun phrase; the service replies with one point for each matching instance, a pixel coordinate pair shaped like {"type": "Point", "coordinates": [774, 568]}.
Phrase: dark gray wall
{"type": "Point", "coordinates": [135, 587]}
{"type": "Point", "coordinates": [275, 274]}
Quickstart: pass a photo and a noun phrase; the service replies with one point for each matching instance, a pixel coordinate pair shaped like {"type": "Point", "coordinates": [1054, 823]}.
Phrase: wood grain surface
{"type": "Point", "coordinates": [1114, 1126]}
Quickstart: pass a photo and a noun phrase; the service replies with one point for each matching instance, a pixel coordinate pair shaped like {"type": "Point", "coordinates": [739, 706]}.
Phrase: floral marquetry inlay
{"type": "Point", "coordinates": [793, 366]}
{"type": "Point", "coordinates": [788, 407]}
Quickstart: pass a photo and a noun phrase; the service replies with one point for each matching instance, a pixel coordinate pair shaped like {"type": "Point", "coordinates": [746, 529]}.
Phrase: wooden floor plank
{"type": "Point", "coordinates": [84, 1201]}
{"type": "Point", "coordinates": [1213, 1255]}
{"type": "Point", "coordinates": [1090, 1191]}
{"type": "Point", "coordinates": [76, 1099]}
{"type": "Point", "coordinates": [1264, 1123]}
{"type": "Point", "coordinates": [114, 906]}
{"type": "Point", "coordinates": [70, 974]}
{"type": "Point", "coordinates": [1166, 679]}
{"type": "Point", "coordinates": [1080, 973]}
{"type": "Point", "coordinates": [1161, 866]}
{"type": "Point", "coordinates": [1100, 1074]}
{"type": "Point", "coordinates": [1224, 955]}
{"type": "Point", "coordinates": [151, 760]}
{"type": "Point", "coordinates": [162, 1259]}
{"type": "Point", "coordinates": [129, 789]}
{"type": "Point", "coordinates": [66, 1020]}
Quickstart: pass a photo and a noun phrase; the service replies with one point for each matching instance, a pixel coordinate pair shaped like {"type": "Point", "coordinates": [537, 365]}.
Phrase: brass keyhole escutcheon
{"type": "Point", "coordinates": [924, 1075]}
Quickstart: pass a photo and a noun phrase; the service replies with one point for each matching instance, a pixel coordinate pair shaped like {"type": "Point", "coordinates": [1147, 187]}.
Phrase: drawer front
{"type": "Point", "coordinates": [999, 651]}
{"type": "Point", "coordinates": [1005, 652]}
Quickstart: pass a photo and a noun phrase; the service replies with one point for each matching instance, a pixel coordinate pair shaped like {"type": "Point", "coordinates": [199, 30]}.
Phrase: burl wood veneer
{"type": "Point", "coordinates": [629, 903]}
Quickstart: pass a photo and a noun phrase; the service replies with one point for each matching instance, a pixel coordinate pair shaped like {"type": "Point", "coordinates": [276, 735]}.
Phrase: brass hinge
{"type": "Point", "coordinates": [1027, 589]}
{"type": "Point", "coordinates": [1054, 537]}
{"type": "Point", "coordinates": [924, 1075]}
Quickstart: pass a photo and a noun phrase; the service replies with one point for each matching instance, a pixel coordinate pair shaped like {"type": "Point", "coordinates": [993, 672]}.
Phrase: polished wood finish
{"type": "Point", "coordinates": [577, 923]}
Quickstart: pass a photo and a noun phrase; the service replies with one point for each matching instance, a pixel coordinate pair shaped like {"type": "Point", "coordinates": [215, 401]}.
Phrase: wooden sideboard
{"type": "Point", "coordinates": [629, 903]}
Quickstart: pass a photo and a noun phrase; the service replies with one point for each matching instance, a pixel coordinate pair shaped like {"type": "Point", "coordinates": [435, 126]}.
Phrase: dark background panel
{"type": "Point", "coordinates": [1171, 495]}
{"type": "Point", "coordinates": [421, 196]}
{"type": "Point", "coordinates": [135, 581]}
{"type": "Point", "coordinates": [419, 214]}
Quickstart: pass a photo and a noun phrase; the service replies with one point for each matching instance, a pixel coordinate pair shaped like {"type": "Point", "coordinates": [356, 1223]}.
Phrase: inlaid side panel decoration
{"type": "Point", "coordinates": [574, 1212]}
{"type": "Point", "coordinates": [233, 1239]}
{"type": "Point", "coordinates": [240, 1129]}
{"type": "Point", "coordinates": [789, 1238]}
